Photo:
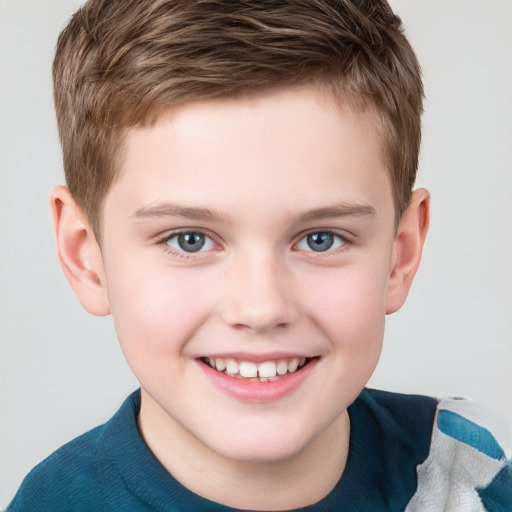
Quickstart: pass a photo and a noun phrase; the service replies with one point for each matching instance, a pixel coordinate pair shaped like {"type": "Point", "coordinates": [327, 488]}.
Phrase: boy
{"type": "Point", "coordinates": [240, 199]}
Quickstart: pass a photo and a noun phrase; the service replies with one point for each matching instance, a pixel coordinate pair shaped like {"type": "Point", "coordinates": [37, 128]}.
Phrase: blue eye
{"type": "Point", "coordinates": [190, 241]}
{"type": "Point", "coordinates": [321, 241]}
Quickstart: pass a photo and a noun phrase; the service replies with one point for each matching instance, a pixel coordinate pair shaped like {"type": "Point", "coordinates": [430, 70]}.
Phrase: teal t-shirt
{"type": "Point", "coordinates": [389, 467]}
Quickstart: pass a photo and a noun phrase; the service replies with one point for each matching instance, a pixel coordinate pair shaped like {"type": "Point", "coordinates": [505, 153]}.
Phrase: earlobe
{"type": "Point", "coordinates": [407, 250]}
{"type": "Point", "coordinates": [79, 252]}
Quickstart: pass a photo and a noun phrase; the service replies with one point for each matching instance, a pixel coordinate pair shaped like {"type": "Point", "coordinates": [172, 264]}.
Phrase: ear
{"type": "Point", "coordinates": [407, 249]}
{"type": "Point", "coordinates": [79, 252]}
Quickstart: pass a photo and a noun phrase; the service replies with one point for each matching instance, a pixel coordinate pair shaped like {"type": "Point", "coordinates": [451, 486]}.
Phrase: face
{"type": "Point", "coordinates": [253, 235]}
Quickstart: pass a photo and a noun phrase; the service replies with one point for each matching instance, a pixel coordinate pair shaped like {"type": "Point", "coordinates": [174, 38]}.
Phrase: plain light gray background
{"type": "Point", "coordinates": [61, 370]}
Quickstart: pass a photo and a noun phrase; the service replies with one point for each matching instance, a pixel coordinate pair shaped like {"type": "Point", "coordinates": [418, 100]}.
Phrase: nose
{"type": "Point", "coordinates": [259, 295]}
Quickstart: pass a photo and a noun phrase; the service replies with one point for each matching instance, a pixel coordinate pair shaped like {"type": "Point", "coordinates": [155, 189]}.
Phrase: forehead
{"type": "Point", "coordinates": [289, 146]}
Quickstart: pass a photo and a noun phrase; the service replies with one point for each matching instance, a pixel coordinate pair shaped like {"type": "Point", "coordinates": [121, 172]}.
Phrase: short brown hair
{"type": "Point", "coordinates": [119, 63]}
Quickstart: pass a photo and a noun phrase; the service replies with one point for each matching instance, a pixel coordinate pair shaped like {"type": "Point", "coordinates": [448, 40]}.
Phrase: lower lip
{"type": "Point", "coordinates": [255, 391]}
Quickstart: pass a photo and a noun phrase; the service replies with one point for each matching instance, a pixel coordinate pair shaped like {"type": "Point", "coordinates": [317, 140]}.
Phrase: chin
{"type": "Point", "coordinates": [260, 449]}
{"type": "Point", "coordinates": [258, 455]}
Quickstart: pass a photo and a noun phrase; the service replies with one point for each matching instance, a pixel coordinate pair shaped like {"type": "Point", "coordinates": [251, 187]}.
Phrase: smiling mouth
{"type": "Point", "coordinates": [267, 371]}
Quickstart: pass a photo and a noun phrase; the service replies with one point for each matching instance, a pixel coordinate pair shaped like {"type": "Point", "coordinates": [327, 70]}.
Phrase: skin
{"type": "Point", "coordinates": [272, 169]}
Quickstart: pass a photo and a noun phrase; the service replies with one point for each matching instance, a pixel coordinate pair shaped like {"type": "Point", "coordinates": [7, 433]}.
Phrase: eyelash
{"type": "Point", "coordinates": [343, 240]}
{"type": "Point", "coordinates": [164, 242]}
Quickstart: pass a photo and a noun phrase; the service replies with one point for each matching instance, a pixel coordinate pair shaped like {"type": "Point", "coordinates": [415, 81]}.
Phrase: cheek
{"type": "Point", "coordinates": [351, 313]}
{"type": "Point", "coordinates": [352, 302]}
{"type": "Point", "coordinates": [154, 309]}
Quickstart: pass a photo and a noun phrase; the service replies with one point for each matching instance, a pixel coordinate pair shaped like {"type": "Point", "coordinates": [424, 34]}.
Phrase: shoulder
{"type": "Point", "coordinates": [62, 477]}
{"type": "Point", "coordinates": [390, 436]}
{"type": "Point", "coordinates": [78, 474]}
{"type": "Point", "coordinates": [469, 466]}
{"type": "Point", "coordinates": [398, 415]}
{"type": "Point", "coordinates": [398, 426]}
{"type": "Point", "coordinates": [400, 405]}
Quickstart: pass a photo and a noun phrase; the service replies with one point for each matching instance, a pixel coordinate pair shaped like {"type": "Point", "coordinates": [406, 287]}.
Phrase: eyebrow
{"type": "Point", "coordinates": [177, 210]}
{"type": "Point", "coordinates": [205, 214]}
{"type": "Point", "coordinates": [337, 211]}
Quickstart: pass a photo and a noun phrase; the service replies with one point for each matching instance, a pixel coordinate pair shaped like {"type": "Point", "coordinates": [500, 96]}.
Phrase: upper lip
{"type": "Point", "coordinates": [259, 358]}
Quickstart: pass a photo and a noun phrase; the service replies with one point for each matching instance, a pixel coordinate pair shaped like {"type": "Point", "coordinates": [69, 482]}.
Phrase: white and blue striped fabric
{"type": "Point", "coordinates": [469, 469]}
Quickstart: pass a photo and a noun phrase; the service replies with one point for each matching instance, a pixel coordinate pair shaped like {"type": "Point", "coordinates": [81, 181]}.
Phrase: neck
{"type": "Point", "coordinates": [256, 486]}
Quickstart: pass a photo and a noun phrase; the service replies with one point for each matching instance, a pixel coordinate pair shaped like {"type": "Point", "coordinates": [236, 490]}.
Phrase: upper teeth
{"type": "Point", "coordinates": [248, 369]}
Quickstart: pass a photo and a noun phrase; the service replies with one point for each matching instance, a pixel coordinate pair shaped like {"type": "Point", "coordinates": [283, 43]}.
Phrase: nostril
{"type": "Point", "coordinates": [260, 328]}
